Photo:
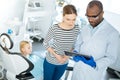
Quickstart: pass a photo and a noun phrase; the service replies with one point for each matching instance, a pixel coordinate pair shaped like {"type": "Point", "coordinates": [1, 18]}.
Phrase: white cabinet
{"type": "Point", "coordinates": [38, 16]}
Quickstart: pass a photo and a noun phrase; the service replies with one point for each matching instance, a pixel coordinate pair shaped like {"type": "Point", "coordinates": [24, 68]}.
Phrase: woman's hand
{"type": "Point", "coordinates": [60, 58]}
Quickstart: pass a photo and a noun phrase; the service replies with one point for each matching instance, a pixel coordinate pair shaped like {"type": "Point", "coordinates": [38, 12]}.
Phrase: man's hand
{"type": "Point", "coordinates": [89, 61]}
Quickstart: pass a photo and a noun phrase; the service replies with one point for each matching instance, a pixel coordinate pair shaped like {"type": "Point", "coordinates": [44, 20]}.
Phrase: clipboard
{"type": "Point", "coordinates": [76, 54]}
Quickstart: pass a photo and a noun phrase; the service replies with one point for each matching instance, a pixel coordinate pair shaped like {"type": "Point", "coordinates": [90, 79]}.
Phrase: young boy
{"type": "Point", "coordinates": [26, 50]}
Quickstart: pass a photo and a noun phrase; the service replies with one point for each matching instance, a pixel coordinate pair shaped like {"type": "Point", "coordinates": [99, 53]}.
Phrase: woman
{"type": "Point", "coordinates": [61, 37]}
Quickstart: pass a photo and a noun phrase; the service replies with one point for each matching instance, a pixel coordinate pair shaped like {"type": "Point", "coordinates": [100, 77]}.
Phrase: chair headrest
{"type": "Point", "coordinates": [6, 42]}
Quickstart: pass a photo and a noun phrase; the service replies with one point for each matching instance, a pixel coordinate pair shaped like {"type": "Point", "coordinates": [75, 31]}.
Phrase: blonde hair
{"type": "Point", "coordinates": [22, 44]}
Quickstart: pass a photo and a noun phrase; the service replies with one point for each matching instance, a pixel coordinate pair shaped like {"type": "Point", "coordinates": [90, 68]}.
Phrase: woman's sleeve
{"type": "Point", "coordinates": [48, 37]}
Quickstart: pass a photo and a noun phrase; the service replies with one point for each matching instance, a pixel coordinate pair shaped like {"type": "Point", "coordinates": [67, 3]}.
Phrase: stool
{"type": "Point", "coordinates": [68, 69]}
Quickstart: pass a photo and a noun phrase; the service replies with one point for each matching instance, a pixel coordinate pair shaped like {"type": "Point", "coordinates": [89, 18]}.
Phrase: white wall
{"type": "Point", "coordinates": [113, 19]}
{"type": "Point", "coordinates": [9, 9]}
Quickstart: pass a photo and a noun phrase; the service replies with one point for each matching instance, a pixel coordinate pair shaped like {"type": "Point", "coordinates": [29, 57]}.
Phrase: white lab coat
{"type": "Point", "coordinates": [102, 44]}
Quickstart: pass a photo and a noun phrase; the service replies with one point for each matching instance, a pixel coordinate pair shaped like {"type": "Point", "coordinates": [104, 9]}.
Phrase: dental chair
{"type": "Point", "coordinates": [115, 68]}
{"type": "Point", "coordinates": [17, 66]}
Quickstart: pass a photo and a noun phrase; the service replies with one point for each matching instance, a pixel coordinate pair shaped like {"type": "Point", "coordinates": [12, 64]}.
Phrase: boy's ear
{"type": "Point", "coordinates": [22, 49]}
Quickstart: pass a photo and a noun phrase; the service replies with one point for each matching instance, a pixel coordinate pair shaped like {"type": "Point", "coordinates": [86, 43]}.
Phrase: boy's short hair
{"type": "Point", "coordinates": [22, 44]}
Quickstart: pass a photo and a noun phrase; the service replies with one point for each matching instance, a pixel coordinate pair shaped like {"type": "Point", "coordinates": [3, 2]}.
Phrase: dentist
{"type": "Point", "coordinates": [98, 39]}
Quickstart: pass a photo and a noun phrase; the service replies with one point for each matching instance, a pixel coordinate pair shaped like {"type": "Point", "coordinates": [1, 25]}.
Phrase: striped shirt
{"type": "Point", "coordinates": [60, 40]}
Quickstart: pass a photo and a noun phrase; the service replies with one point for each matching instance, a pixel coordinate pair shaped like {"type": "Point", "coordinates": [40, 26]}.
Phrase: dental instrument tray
{"type": "Point", "coordinates": [76, 54]}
